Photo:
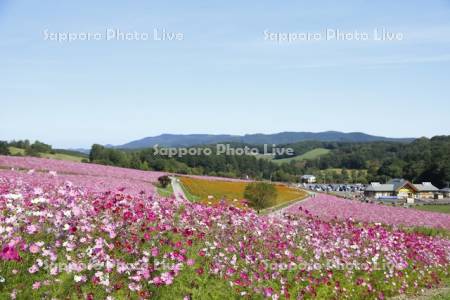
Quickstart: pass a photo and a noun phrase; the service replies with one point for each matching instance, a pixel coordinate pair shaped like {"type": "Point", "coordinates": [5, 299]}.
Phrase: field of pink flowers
{"type": "Point", "coordinates": [91, 176]}
{"type": "Point", "coordinates": [328, 207]}
{"type": "Point", "coordinates": [63, 237]}
{"type": "Point", "coordinates": [75, 168]}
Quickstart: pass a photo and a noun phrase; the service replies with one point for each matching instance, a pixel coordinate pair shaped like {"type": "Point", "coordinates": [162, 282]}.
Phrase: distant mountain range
{"type": "Point", "coordinates": [186, 140]}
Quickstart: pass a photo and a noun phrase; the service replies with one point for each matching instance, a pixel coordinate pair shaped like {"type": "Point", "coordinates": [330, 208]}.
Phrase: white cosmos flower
{"type": "Point", "coordinates": [39, 200]}
{"type": "Point", "coordinates": [79, 278]}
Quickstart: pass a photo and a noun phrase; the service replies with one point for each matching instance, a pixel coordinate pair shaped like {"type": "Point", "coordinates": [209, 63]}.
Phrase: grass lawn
{"type": "Point", "coordinates": [312, 154]}
{"type": "Point", "coordinates": [212, 191]}
{"type": "Point", "coordinates": [435, 208]}
{"type": "Point", "coordinates": [164, 192]}
{"type": "Point", "coordinates": [315, 153]}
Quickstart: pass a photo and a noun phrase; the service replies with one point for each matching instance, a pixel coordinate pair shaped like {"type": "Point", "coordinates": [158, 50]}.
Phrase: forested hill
{"type": "Point", "coordinates": [421, 160]}
{"type": "Point", "coordinates": [180, 140]}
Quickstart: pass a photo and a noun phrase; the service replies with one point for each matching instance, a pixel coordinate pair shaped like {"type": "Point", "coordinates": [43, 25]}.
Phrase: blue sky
{"type": "Point", "coordinates": [224, 76]}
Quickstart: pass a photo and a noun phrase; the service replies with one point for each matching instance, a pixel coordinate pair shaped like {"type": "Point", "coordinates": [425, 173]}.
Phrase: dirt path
{"type": "Point", "coordinates": [278, 212]}
{"type": "Point", "coordinates": [177, 189]}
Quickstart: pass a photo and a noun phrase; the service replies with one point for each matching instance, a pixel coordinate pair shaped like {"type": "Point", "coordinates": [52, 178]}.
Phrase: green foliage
{"type": "Point", "coordinates": [421, 160]}
{"type": "Point", "coordinates": [108, 156]}
{"type": "Point", "coordinates": [39, 147]}
{"type": "Point", "coordinates": [25, 147]}
{"type": "Point", "coordinates": [260, 194]}
{"type": "Point", "coordinates": [22, 144]}
{"type": "Point", "coordinates": [4, 149]}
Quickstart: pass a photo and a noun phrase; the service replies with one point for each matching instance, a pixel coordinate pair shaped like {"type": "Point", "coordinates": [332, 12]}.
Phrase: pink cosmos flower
{"type": "Point", "coordinates": [268, 292]}
{"type": "Point", "coordinates": [31, 229]}
{"type": "Point", "coordinates": [155, 251]}
{"type": "Point", "coordinates": [230, 239]}
{"type": "Point", "coordinates": [54, 271]}
{"type": "Point", "coordinates": [157, 280]}
{"type": "Point", "coordinates": [36, 285]}
{"type": "Point", "coordinates": [34, 248]}
{"type": "Point", "coordinates": [10, 253]}
{"type": "Point", "coordinates": [167, 278]}
{"type": "Point", "coordinates": [33, 269]}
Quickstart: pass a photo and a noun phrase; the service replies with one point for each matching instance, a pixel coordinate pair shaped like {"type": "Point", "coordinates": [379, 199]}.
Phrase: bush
{"type": "Point", "coordinates": [164, 181]}
{"type": "Point", "coordinates": [260, 195]}
{"type": "Point", "coordinates": [39, 147]}
{"type": "Point", "coordinates": [32, 152]}
{"type": "Point", "coordinates": [4, 150]}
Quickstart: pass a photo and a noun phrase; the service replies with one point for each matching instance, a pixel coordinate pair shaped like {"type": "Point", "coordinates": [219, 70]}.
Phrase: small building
{"type": "Point", "coordinates": [399, 188]}
{"type": "Point", "coordinates": [445, 192]}
{"type": "Point", "coordinates": [308, 179]}
{"type": "Point", "coordinates": [426, 190]}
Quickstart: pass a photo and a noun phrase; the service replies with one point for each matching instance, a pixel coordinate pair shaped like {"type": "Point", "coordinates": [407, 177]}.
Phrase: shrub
{"type": "Point", "coordinates": [4, 148]}
{"type": "Point", "coordinates": [164, 181]}
{"type": "Point", "coordinates": [260, 194]}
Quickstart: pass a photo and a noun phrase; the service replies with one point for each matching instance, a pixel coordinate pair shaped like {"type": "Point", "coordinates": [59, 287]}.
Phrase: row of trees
{"type": "Point", "coordinates": [214, 165]}
{"type": "Point", "coordinates": [4, 148]}
{"type": "Point", "coordinates": [30, 149]}
{"type": "Point", "coordinates": [422, 160]}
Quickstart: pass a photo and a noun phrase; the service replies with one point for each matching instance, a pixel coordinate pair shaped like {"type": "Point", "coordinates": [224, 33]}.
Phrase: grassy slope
{"type": "Point", "coordinates": [16, 151]}
{"type": "Point", "coordinates": [60, 156]}
{"type": "Point", "coordinates": [435, 208]}
{"type": "Point", "coordinates": [231, 191]}
{"type": "Point", "coordinates": [312, 154]}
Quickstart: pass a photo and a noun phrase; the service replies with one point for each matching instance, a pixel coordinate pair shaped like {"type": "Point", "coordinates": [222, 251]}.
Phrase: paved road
{"type": "Point", "coordinates": [177, 189]}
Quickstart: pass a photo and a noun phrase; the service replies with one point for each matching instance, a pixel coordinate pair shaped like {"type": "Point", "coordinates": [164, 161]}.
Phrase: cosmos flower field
{"type": "Point", "coordinates": [82, 231]}
{"type": "Point", "coordinates": [328, 207]}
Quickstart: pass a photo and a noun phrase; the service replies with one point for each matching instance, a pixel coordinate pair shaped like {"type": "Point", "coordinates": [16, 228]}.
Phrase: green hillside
{"type": "Point", "coordinates": [312, 154]}
{"type": "Point", "coordinates": [62, 156]}
{"type": "Point", "coordinates": [57, 155]}
{"type": "Point", "coordinates": [16, 151]}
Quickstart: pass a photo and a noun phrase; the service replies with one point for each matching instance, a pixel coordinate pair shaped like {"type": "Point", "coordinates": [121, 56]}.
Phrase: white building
{"type": "Point", "coordinates": [308, 179]}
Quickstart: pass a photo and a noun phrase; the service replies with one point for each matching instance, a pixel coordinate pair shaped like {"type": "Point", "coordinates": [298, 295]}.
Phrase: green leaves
{"type": "Point", "coordinates": [260, 194]}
